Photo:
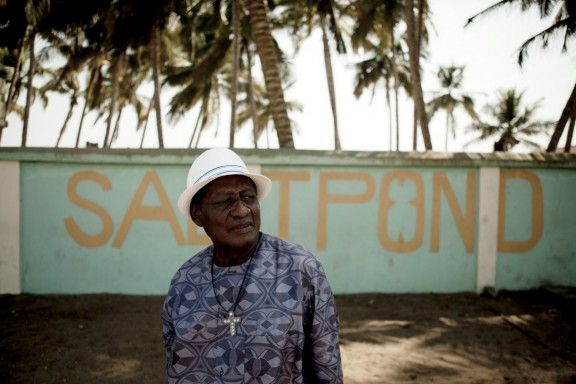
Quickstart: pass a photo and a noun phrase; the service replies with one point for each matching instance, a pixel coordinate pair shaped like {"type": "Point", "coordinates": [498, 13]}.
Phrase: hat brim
{"type": "Point", "coordinates": [263, 187]}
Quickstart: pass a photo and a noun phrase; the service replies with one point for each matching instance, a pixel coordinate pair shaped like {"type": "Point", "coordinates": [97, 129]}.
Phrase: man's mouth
{"type": "Point", "coordinates": [243, 227]}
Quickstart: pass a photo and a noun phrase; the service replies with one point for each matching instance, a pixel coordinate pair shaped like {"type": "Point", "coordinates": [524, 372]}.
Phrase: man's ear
{"type": "Point", "coordinates": [196, 214]}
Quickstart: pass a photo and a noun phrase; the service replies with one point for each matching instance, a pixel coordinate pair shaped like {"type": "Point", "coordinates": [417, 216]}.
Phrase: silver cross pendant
{"type": "Point", "coordinates": [231, 322]}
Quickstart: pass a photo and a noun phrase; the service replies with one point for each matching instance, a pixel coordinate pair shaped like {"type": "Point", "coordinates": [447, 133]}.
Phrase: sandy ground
{"type": "Point", "coordinates": [515, 337]}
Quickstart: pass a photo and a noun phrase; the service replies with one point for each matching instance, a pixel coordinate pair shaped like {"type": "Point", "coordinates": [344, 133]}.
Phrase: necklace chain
{"type": "Point", "coordinates": [239, 292]}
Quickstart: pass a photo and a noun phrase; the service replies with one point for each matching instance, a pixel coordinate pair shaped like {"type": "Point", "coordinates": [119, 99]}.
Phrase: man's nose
{"type": "Point", "coordinates": [240, 208]}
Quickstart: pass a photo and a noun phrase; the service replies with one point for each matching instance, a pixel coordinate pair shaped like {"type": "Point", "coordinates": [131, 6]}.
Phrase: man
{"type": "Point", "coordinates": [250, 308]}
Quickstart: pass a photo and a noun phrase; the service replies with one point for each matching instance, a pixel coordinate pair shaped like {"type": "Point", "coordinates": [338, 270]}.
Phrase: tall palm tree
{"type": "Point", "coordinates": [202, 42]}
{"type": "Point", "coordinates": [236, 14]}
{"type": "Point", "coordinates": [253, 103]}
{"type": "Point", "coordinates": [302, 17]}
{"type": "Point", "coordinates": [250, 92]}
{"type": "Point", "coordinates": [76, 33]}
{"type": "Point", "coordinates": [371, 72]}
{"type": "Point", "coordinates": [35, 12]}
{"type": "Point", "coordinates": [72, 87]}
{"type": "Point", "coordinates": [512, 123]}
{"type": "Point", "coordinates": [270, 62]}
{"type": "Point", "coordinates": [564, 25]}
{"type": "Point", "coordinates": [376, 26]}
{"type": "Point", "coordinates": [93, 95]}
{"type": "Point", "coordinates": [450, 98]}
{"type": "Point", "coordinates": [128, 26]}
{"type": "Point", "coordinates": [375, 33]}
{"type": "Point", "coordinates": [414, 11]}
{"type": "Point", "coordinates": [156, 57]}
{"type": "Point", "coordinates": [204, 62]}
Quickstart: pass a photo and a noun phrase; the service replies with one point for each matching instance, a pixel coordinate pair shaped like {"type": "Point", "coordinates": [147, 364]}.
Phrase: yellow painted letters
{"type": "Point", "coordinates": [285, 178]}
{"type": "Point", "coordinates": [75, 232]}
{"type": "Point", "coordinates": [325, 198]}
{"type": "Point", "coordinates": [537, 212]}
{"type": "Point", "coordinates": [400, 245]}
{"type": "Point", "coordinates": [464, 223]}
{"type": "Point", "coordinates": [137, 211]}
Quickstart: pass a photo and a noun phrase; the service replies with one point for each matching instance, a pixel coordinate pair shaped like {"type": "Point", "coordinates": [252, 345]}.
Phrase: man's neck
{"type": "Point", "coordinates": [229, 257]}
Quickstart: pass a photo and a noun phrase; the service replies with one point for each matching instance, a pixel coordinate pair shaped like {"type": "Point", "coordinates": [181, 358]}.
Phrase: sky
{"type": "Point", "coordinates": [486, 48]}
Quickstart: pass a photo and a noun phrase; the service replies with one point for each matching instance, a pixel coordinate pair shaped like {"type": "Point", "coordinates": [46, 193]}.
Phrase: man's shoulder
{"type": "Point", "coordinates": [301, 259]}
{"type": "Point", "coordinates": [198, 259]}
{"type": "Point", "coordinates": [284, 246]}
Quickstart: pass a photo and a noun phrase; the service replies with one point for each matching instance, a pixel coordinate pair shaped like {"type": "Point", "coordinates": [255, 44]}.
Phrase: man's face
{"type": "Point", "coordinates": [229, 212]}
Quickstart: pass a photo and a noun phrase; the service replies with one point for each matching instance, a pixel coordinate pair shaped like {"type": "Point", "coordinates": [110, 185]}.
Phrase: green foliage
{"type": "Point", "coordinates": [510, 122]}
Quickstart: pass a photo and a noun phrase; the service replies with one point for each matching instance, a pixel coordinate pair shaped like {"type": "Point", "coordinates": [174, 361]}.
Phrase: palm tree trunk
{"type": "Point", "coordinates": [156, 74]}
{"type": "Point", "coordinates": [390, 114]}
{"type": "Point", "coordinates": [66, 120]}
{"type": "Point", "coordinates": [447, 132]}
{"type": "Point", "coordinates": [31, 72]}
{"type": "Point", "coordinates": [330, 81]}
{"type": "Point", "coordinates": [145, 127]}
{"type": "Point", "coordinates": [414, 58]}
{"type": "Point", "coordinates": [270, 67]}
{"type": "Point", "coordinates": [568, 112]}
{"type": "Point", "coordinates": [10, 100]}
{"type": "Point", "coordinates": [81, 121]}
{"type": "Point", "coordinates": [114, 97]}
{"type": "Point", "coordinates": [3, 109]}
{"type": "Point", "coordinates": [414, 128]}
{"type": "Point", "coordinates": [250, 95]}
{"type": "Point", "coordinates": [396, 89]}
{"type": "Point", "coordinates": [568, 145]}
{"type": "Point", "coordinates": [202, 119]}
{"type": "Point", "coordinates": [195, 129]}
{"type": "Point", "coordinates": [201, 122]}
{"type": "Point", "coordinates": [116, 126]}
{"type": "Point", "coordinates": [235, 68]}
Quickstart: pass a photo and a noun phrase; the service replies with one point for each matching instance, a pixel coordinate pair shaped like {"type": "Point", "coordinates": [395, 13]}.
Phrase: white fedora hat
{"type": "Point", "coordinates": [215, 163]}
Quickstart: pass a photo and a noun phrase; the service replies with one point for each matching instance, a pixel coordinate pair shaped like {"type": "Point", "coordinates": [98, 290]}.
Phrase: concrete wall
{"type": "Point", "coordinates": [106, 221]}
{"type": "Point", "coordinates": [9, 227]}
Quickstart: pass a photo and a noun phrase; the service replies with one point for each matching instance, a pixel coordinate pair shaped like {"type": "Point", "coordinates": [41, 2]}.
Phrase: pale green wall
{"type": "Point", "coordinates": [355, 259]}
{"type": "Point", "coordinates": [553, 260]}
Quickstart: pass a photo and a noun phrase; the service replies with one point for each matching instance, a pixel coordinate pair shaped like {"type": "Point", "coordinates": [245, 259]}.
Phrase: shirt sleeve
{"type": "Point", "coordinates": [322, 360]}
{"type": "Point", "coordinates": [168, 326]}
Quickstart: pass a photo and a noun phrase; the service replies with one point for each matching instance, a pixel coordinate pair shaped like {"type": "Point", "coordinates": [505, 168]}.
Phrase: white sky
{"type": "Point", "coordinates": [487, 48]}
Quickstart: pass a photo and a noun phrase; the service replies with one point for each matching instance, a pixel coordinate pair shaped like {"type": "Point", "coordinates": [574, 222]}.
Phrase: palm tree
{"type": "Point", "coordinates": [372, 71]}
{"type": "Point", "coordinates": [236, 14]}
{"type": "Point", "coordinates": [75, 32]}
{"type": "Point", "coordinates": [125, 27]}
{"type": "Point", "coordinates": [270, 62]}
{"type": "Point", "coordinates": [376, 25]}
{"type": "Point", "coordinates": [564, 24]}
{"type": "Point", "coordinates": [253, 103]}
{"type": "Point", "coordinates": [302, 17]}
{"type": "Point", "coordinates": [202, 55]}
{"type": "Point", "coordinates": [511, 124]}
{"type": "Point", "coordinates": [73, 88]}
{"type": "Point", "coordinates": [375, 32]}
{"type": "Point", "coordinates": [93, 95]}
{"type": "Point", "coordinates": [414, 11]}
{"type": "Point", "coordinates": [450, 98]}
{"type": "Point", "coordinates": [35, 12]}
{"type": "Point", "coordinates": [250, 92]}
{"type": "Point", "coordinates": [204, 62]}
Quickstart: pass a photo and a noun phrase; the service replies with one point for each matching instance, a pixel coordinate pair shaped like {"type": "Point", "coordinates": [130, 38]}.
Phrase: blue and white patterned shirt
{"type": "Point", "coordinates": [288, 327]}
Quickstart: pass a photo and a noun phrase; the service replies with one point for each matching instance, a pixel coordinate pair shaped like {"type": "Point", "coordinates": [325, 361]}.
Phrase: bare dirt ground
{"type": "Point", "coordinates": [515, 337]}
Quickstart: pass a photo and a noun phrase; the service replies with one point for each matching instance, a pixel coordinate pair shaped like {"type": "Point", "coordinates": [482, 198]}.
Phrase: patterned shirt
{"type": "Point", "coordinates": [288, 325]}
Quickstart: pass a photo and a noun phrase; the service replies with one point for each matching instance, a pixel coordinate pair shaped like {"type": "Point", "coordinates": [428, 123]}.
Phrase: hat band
{"type": "Point", "coordinates": [222, 170]}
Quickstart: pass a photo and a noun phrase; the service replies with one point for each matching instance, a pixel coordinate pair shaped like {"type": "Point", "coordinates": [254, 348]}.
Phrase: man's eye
{"type": "Point", "coordinates": [249, 198]}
